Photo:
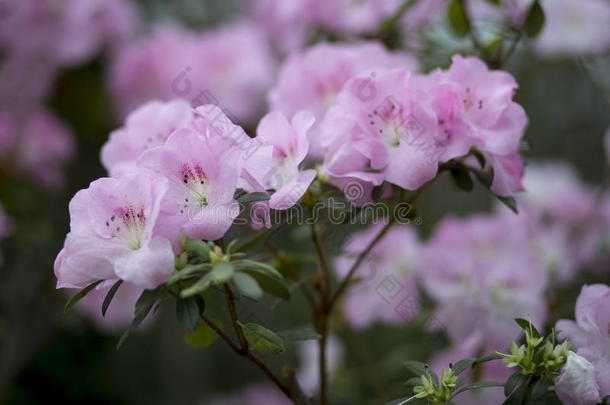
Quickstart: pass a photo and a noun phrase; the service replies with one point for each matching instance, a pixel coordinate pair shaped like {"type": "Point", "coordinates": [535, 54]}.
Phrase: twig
{"type": "Point", "coordinates": [235, 319]}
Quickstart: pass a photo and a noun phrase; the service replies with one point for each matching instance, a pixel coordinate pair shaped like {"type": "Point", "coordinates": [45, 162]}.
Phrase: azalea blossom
{"type": "Point", "coordinates": [112, 234]}
{"type": "Point", "coordinates": [576, 384]}
{"type": "Point", "coordinates": [147, 127]}
{"type": "Point", "coordinates": [202, 177]}
{"type": "Point", "coordinates": [285, 145]}
{"type": "Point", "coordinates": [395, 126]}
{"type": "Point", "coordinates": [590, 336]}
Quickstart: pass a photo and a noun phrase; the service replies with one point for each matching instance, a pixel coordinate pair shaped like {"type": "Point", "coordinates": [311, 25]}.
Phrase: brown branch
{"type": "Point", "coordinates": [235, 319]}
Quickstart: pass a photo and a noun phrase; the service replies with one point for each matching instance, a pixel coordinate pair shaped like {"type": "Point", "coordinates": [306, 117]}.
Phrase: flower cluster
{"type": "Point", "coordinates": [204, 68]}
{"type": "Point", "coordinates": [396, 126]}
{"type": "Point", "coordinates": [176, 171]}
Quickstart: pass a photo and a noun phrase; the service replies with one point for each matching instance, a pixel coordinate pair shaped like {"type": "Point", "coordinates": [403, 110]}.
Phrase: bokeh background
{"type": "Point", "coordinates": [48, 356]}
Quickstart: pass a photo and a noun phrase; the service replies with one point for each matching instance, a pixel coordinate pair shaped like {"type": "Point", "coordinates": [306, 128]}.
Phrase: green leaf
{"type": "Point", "coordinates": [485, 177]}
{"type": "Point", "coordinates": [199, 247]}
{"type": "Point", "coordinates": [254, 265]}
{"type": "Point", "coordinates": [378, 191]}
{"type": "Point", "coordinates": [110, 296]}
{"type": "Point", "coordinates": [479, 156]}
{"type": "Point", "coordinates": [413, 382]}
{"type": "Point", "coordinates": [203, 336]}
{"type": "Point", "coordinates": [81, 294]}
{"type": "Point", "coordinates": [525, 325]}
{"type": "Point", "coordinates": [298, 335]}
{"type": "Point", "coordinates": [494, 2]}
{"type": "Point", "coordinates": [187, 271]}
{"type": "Point", "coordinates": [200, 286]}
{"type": "Point", "coordinates": [534, 20]}
{"type": "Point", "coordinates": [254, 197]}
{"type": "Point", "coordinates": [419, 368]}
{"type": "Point", "coordinates": [462, 365]}
{"type": "Point", "coordinates": [512, 382]}
{"type": "Point", "coordinates": [222, 273]}
{"type": "Point", "coordinates": [462, 178]}
{"type": "Point", "coordinates": [269, 284]}
{"type": "Point", "coordinates": [540, 389]}
{"type": "Point", "coordinates": [247, 285]}
{"type": "Point", "coordinates": [489, 357]}
{"type": "Point", "coordinates": [516, 398]}
{"type": "Point", "coordinates": [509, 202]}
{"type": "Point", "coordinates": [458, 19]}
{"type": "Point", "coordinates": [187, 312]}
{"type": "Point", "coordinates": [480, 384]}
{"type": "Point", "coordinates": [262, 339]}
{"type": "Point", "coordinates": [147, 300]}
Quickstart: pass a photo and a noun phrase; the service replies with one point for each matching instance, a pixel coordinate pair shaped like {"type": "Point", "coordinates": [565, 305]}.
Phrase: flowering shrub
{"type": "Point", "coordinates": [315, 208]}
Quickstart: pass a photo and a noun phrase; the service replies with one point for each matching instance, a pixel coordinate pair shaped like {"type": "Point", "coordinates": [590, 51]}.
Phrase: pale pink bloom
{"type": "Point", "coordinates": [230, 66]}
{"type": "Point", "coordinates": [389, 126]}
{"type": "Point", "coordinates": [387, 291]}
{"type": "Point", "coordinates": [496, 123]}
{"type": "Point", "coordinates": [590, 334]}
{"type": "Point", "coordinates": [357, 17]}
{"type": "Point", "coordinates": [482, 274]}
{"type": "Point", "coordinates": [311, 79]}
{"type": "Point", "coordinates": [576, 384]}
{"type": "Point", "coordinates": [574, 28]}
{"type": "Point", "coordinates": [285, 144]}
{"type": "Point", "coordinates": [111, 234]}
{"type": "Point", "coordinates": [36, 144]}
{"type": "Point", "coordinates": [495, 370]}
{"type": "Point", "coordinates": [203, 169]}
{"type": "Point", "coordinates": [119, 314]}
{"type": "Point", "coordinates": [507, 11]}
{"type": "Point", "coordinates": [147, 127]}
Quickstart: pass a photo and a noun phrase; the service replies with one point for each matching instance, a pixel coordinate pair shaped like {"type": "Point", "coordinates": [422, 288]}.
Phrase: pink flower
{"type": "Point", "coordinates": [285, 146]}
{"type": "Point", "coordinates": [111, 234]}
{"type": "Point", "coordinates": [311, 80]}
{"type": "Point", "coordinates": [574, 28]}
{"type": "Point", "coordinates": [147, 127]}
{"type": "Point", "coordinates": [388, 290]}
{"type": "Point", "coordinates": [590, 334]}
{"type": "Point", "coordinates": [482, 274]}
{"type": "Point", "coordinates": [389, 132]}
{"type": "Point", "coordinates": [495, 123]}
{"type": "Point", "coordinates": [120, 313]}
{"type": "Point", "coordinates": [230, 66]}
{"type": "Point", "coordinates": [202, 168]}
{"type": "Point", "coordinates": [37, 145]}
